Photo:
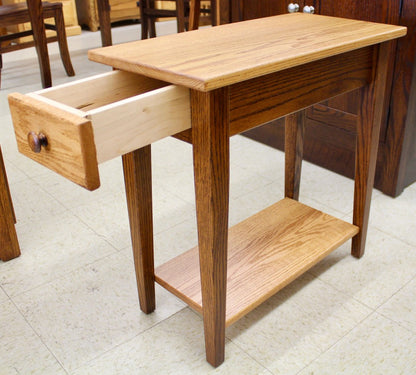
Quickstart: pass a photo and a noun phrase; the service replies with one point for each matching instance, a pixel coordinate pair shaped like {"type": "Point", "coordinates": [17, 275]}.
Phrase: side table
{"type": "Point", "coordinates": [204, 86]}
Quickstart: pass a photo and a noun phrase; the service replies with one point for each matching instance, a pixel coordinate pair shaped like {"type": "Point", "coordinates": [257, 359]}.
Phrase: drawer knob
{"type": "Point", "coordinates": [36, 141]}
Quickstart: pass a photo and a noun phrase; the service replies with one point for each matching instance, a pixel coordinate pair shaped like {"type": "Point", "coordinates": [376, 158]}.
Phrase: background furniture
{"type": "Point", "coordinates": [104, 14]}
{"type": "Point", "coordinates": [70, 17]}
{"type": "Point", "coordinates": [18, 13]}
{"type": "Point", "coordinates": [150, 12]}
{"type": "Point", "coordinates": [88, 12]}
{"type": "Point", "coordinates": [330, 126]}
{"type": "Point", "coordinates": [9, 245]}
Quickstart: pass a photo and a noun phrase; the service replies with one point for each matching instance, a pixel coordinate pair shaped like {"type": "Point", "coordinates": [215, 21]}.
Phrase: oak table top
{"type": "Point", "coordinates": [215, 57]}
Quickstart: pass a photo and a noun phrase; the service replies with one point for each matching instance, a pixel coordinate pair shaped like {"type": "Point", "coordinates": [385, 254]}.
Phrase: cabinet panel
{"type": "Point", "coordinates": [370, 10]}
{"type": "Point", "coordinates": [331, 125]}
{"type": "Point", "coordinates": [264, 8]}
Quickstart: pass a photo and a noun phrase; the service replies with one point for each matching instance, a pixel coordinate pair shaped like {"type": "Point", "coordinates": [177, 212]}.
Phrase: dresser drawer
{"type": "Point", "coordinates": [73, 127]}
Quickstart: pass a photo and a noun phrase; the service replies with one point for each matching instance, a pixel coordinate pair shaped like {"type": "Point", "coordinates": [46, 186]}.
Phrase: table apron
{"type": "Point", "coordinates": [262, 99]}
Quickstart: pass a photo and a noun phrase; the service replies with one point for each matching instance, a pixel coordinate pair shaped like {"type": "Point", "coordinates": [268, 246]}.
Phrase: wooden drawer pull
{"type": "Point", "coordinates": [36, 141]}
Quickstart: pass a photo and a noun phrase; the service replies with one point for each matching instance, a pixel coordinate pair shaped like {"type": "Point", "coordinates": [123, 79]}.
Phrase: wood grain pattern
{"type": "Point", "coordinates": [127, 111]}
{"type": "Point", "coordinates": [220, 56]}
{"type": "Point", "coordinates": [261, 99]}
{"type": "Point", "coordinates": [71, 149]}
{"type": "Point", "coordinates": [101, 89]}
{"type": "Point", "coordinates": [9, 245]}
{"type": "Point", "coordinates": [84, 126]}
{"type": "Point", "coordinates": [368, 131]}
{"type": "Point", "coordinates": [138, 182]}
{"type": "Point", "coordinates": [139, 121]}
{"type": "Point", "coordinates": [294, 130]}
{"type": "Point", "coordinates": [210, 124]}
{"type": "Point", "coordinates": [265, 252]}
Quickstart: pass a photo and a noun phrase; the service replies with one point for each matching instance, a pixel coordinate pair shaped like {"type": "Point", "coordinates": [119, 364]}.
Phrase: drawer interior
{"type": "Point", "coordinates": [97, 91]}
{"type": "Point", "coordinates": [89, 121]}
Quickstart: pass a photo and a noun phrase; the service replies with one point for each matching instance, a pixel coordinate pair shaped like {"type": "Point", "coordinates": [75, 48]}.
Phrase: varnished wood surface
{"type": "Point", "coordinates": [9, 245]}
{"type": "Point", "coordinates": [368, 131]}
{"type": "Point", "coordinates": [210, 122]}
{"type": "Point", "coordinates": [71, 149]}
{"type": "Point", "coordinates": [137, 170]}
{"type": "Point", "coordinates": [96, 119]}
{"type": "Point", "coordinates": [294, 132]}
{"type": "Point", "coordinates": [265, 252]}
{"type": "Point", "coordinates": [220, 56]}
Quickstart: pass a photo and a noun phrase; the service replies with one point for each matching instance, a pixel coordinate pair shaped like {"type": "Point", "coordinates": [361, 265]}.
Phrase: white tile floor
{"type": "Point", "coordinates": [68, 305]}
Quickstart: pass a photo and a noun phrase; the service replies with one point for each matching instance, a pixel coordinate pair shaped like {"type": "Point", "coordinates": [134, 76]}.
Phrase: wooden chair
{"type": "Point", "coordinates": [149, 13]}
{"type": "Point", "coordinates": [14, 14]}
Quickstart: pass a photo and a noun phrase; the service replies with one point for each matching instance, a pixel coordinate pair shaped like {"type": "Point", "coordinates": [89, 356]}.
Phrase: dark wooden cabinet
{"type": "Point", "coordinates": [330, 127]}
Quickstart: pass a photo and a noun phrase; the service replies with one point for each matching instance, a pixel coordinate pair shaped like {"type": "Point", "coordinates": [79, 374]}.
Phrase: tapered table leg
{"type": "Point", "coordinates": [210, 131]}
{"type": "Point", "coordinates": [138, 182]}
{"type": "Point", "coordinates": [368, 131]}
{"type": "Point", "coordinates": [294, 130]}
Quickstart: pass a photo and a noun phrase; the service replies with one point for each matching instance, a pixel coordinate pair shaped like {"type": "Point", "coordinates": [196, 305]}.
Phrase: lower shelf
{"type": "Point", "coordinates": [265, 253]}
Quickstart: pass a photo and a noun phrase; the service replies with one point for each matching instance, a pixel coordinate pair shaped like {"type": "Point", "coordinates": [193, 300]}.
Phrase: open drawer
{"type": "Point", "coordinates": [73, 127]}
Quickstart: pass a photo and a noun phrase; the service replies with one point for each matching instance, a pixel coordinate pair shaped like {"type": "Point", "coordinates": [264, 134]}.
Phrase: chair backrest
{"type": "Point", "coordinates": [34, 12]}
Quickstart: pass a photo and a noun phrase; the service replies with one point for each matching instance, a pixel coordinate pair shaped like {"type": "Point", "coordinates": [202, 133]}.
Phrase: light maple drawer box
{"type": "Point", "coordinates": [73, 127]}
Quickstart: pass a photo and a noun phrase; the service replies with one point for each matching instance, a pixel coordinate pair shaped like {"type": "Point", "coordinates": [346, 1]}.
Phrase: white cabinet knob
{"type": "Point", "coordinates": [308, 9]}
{"type": "Point", "coordinates": [293, 8]}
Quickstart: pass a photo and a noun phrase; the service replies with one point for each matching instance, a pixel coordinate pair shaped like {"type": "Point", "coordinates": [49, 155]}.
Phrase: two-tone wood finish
{"type": "Point", "coordinates": [239, 81]}
{"type": "Point", "coordinates": [234, 81]}
{"type": "Point", "coordinates": [297, 62]}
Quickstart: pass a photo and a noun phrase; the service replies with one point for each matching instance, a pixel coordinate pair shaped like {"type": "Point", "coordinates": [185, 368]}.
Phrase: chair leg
{"type": "Point", "coordinates": [143, 4]}
{"type": "Point", "coordinates": [214, 20]}
{"type": "Point", "coordinates": [104, 9]}
{"type": "Point", "coordinates": [152, 21]}
{"type": "Point", "coordinates": [194, 13]}
{"type": "Point", "coordinates": [180, 15]}
{"type": "Point", "coordinates": [39, 36]}
{"type": "Point", "coordinates": [62, 42]}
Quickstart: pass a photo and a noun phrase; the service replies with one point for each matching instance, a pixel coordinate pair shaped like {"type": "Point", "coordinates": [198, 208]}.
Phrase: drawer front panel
{"type": "Point", "coordinates": [70, 150]}
{"type": "Point", "coordinates": [96, 119]}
